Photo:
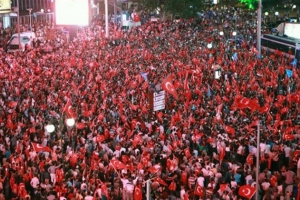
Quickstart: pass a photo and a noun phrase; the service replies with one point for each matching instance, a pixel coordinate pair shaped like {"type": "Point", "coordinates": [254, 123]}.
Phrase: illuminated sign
{"type": "Point", "coordinates": [5, 6]}
{"type": "Point", "coordinates": [72, 12]}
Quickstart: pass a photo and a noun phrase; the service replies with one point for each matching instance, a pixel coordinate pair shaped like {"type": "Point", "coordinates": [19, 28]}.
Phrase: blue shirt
{"type": "Point", "coordinates": [237, 178]}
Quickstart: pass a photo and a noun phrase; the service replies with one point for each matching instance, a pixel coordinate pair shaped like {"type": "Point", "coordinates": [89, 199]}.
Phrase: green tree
{"type": "Point", "coordinates": [149, 5]}
{"type": "Point", "coordinates": [184, 8]}
{"type": "Point", "coordinates": [250, 3]}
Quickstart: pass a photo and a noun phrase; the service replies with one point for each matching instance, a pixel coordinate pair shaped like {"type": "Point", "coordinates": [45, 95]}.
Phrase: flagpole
{"type": "Point", "coordinates": [148, 189]}
{"type": "Point", "coordinates": [257, 159]}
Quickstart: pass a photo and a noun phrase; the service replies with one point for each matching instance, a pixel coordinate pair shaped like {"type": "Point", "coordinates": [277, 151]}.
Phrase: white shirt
{"type": "Point", "coordinates": [287, 151]}
{"type": "Point", "coordinates": [265, 185]}
{"type": "Point", "coordinates": [89, 197]}
{"type": "Point", "coordinates": [200, 181]}
{"type": "Point", "coordinates": [248, 179]}
{"type": "Point", "coordinates": [262, 147]}
{"type": "Point", "coordinates": [254, 150]}
{"type": "Point", "coordinates": [182, 192]}
{"type": "Point", "coordinates": [34, 182]}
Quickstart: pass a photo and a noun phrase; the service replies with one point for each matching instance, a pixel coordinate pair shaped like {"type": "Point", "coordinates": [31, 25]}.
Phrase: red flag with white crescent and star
{"type": "Point", "coordinates": [199, 191]}
{"type": "Point", "coordinates": [137, 195]}
{"type": "Point", "coordinates": [246, 191]}
{"type": "Point", "coordinates": [168, 86]}
{"type": "Point", "coordinates": [68, 109]}
{"type": "Point", "coordinates": [37, 147]}
{"type": "Point", "coordinates": [118, 165]}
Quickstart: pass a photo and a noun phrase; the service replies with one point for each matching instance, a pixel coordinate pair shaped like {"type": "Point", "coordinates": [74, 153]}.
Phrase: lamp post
{"type": "Point", "coordinates": [30, 10]}
{"type": "Point", "coordinates": [234, 33]}
{"type": "Point", "coordinates": [70, 123]}
{"type": "Point", "coordinates": [266, 15]}
{"type": "Point", "coordinates": [257, 159]}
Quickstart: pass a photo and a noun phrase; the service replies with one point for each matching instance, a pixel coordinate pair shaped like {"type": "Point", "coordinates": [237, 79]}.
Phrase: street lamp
{"type": "Point", "coordinates": [266, 14]}
{"type": "Point", "coordinates": [70, 122]}
{"type": "Point", "coordinates": [209, 45]}
{"type": "Point", "coordinates": [50, 128]}
{"type": "Point", "coordinates": [30, 10]}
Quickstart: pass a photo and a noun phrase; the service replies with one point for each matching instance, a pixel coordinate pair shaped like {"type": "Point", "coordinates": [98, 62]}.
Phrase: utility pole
{"type": "Point", "coordinates": [106, 19]}
{"type": "Point", "coordinates": [30, 24]}
{"type": "Point", "coordinates": [18, 24]}
{"type": "Point", "coordinates": [258, 42]}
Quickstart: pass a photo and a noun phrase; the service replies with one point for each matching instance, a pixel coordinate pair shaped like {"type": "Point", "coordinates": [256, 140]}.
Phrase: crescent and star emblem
{"type": "Point", "coordinates": [244, 101]}
{"type": "Point", "coordinates": [247, 191]}
{"type": "Point", "coordinates": [169, 86]}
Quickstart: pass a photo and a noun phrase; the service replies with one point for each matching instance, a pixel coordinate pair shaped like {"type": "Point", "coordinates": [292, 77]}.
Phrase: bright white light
{"type": "Point", "coordinates": [209, 45]}
{"type": "Point", "coordinates": [276, 13]}
{"type": "Point", "coordinates": [266, 13]}
{"type": "Point", "coordinates": [234, 33]}
{"type": "Point", "coordinates": [221, 33]}
{"type": "Point", "coordinates": [72, 12]}
{"type": "Point", "coordinates": [70, 122]}
{"type": "Point", "coordinates": [50, 128]}
{"type": "Point", "coordinates": [294, 6]}
{"type": "Point", "coordinates": [42, 10]}
{"type": "Point", "coordinates": [49, 10]}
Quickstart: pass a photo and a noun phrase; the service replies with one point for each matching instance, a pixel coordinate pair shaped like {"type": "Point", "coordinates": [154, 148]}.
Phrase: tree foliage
{"type": "Point", "coordinates": [182, 8]}
{"type": "Point", "coordinates": [250, 3]}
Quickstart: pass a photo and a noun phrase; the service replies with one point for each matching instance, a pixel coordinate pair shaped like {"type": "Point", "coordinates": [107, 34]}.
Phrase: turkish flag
{"type": "Point", "coordinates": [73, 160]}
{"type": "Point", "coordinates": [222, 152]}
{"type": "Point", "coordinates": [80, 125]}
{"type": "Point", "coordinates": [296, 152]}
{"type": "Point", "coordinates": [12, 104]}
{"type": "Point", "coordinates": [137, 194]}
{"type": "Point", "coordinates": [273, 180]}
{"type": "Point", "coordinates": [223, 186]}
{"type": "Point", "coordinates": [118, 165]}
{"type": "Point", "coordinates": [137, 139]}
{"type": "Point", "coordinates": [172, 186]}
{"type": "Point", "coordinates": [169, 87]}
{"type": "Point", "coordinates": [154, 169]}
{"type": "Point", "coordinates": [246, 191]}
{"type": "Point", "coordinates": [160, 181]}
{"type": "Point", "coordinates": [37, 147]}
{"type": "Point", "coordinates": [87, 113]}
{"type": "Point", "coordinates": [249, 159]}
{"type": "Point", "coordinates": [288, 136]}
{"type": "Point", "coordinates": [100, 138]}
{"type": "Point", "coordinates": [199, 191]}
{"type": "Point", "coordinates": [186, 83]}
{"type": "Point", "coordinates": [187, 152]}
{"type": "Point", "coordinates": [68, 109]}
{"type": "Point", "coordinates": [243, 103]}
{"type": "Point", "coordinates": [229, 130]}
{"type": "Point", "coordinates": [254, 50]}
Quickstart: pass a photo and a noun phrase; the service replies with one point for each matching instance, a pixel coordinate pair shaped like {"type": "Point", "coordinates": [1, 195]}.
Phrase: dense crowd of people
{"type": "Point", "coordinates": [202, 145]}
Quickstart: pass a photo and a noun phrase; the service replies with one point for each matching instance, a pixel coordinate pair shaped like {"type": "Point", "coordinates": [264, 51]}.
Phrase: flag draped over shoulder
{"type": "Point", "coordinates": [168, 86]}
